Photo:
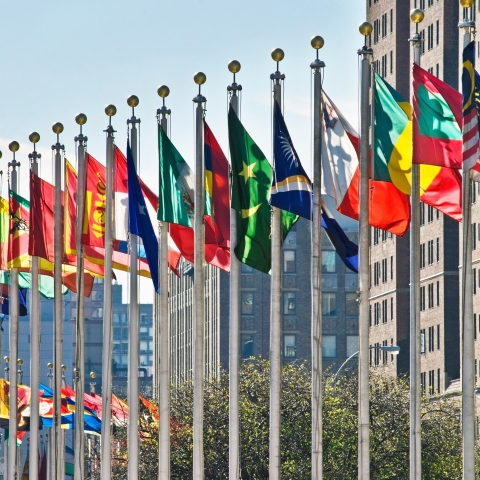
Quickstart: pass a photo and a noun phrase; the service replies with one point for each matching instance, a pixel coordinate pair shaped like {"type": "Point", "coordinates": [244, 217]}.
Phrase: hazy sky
{"type": "Point", "coordinates": [60, 58]}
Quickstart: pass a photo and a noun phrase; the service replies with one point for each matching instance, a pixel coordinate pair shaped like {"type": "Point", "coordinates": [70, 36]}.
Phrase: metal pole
{"type": "Point", "coordinates": [133, 323]}
{"type": "Point", "coordinates": [363, 273]}
{"type": "Point", "coordinates": [50, 458]}
{"type": "Point", "coordinates": [79, 457]}
{"type": "Point", "coordinates": [62, 432]}
{"type": "Point", "coordinates": [162, 340]}
{"type": "Point", "coordinates": [199, 287]}
{"type": "Point", "coordinates": [276, 309]}
{"type": "Point", "coordinates": [234, 328]}
{"type": "Point", "coordinates": [468, 343]}
{"type": "Point", "coordinates": [58, 307]}
{"type": "Point", "coordinates": [5, 441]}
{"type": "Point", "coordinates": [106, 456]}
{"type": "Point", "coordinates": [316, 267]}
{"type": "Point", "coordinates": [14, 310]}
{"type": "Point", "coordinates": [34, 336]}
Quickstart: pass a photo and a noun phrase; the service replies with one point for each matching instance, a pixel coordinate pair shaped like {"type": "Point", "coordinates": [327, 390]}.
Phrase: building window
{"type": "Point", "coordinates": [422, 213]}
{"type": "Point", "coordinates": [422, 43]}
{"type": "Point", "coordinates": [474, 326]}
{"type": "Point", "coordinates": [289, 303]}
{"type": "Point", "coordinates": [384, 66]}
{"type": "Point", "coordinates": [423, 382]}
{"type": "Point", "coordinates": [474, 281]}
{"type": "Point", "coordinates": [384, 25]}
{"type": "Point", "coordinates": [431, 381]}
{"type": "Point", "coordinates": [430, 296]}
{"type": "Point", "coordinates": [329, 262]}
{"type": "Point", "coordinates": [431, 339]}
{"type": "Point", "coordinates": [437, 70]}
{"type": "Point", "coordinates": [429, 214]}
{"type": "Point", "coordinates": [422, 341]}
{"type": "Point", "coordinates": [376, 313]}
{"type": "Point", "coordinates": [289, 264]}
{"type": "Point", "coordinates": [438, 380]}
{"type": "Point", "coordinates": [97, 313]}
{"type": "Point", "coordinates": [438, 249]}
{"type": "Point", "coordinates": [438, 293]}
{"type": "Point", "coordinates": [376, 273]}
{"type": "Point", "coordinates": [422, 255]}
{"type": "Point", "coordinates": [246, 268]}
{"type": "Point", "coordinates": [116, 319]}
{"type": "Point", "coordinates": [247, 303]}
{"type": "Point", "coordinates": [430, 37]}
{"type": "Point", "coordinates": [391, 20]}
{"type": "Point", "coordinates": [376, 31]}
{"type": "Point", "coordinates": [291, 238]}
{"type": "Point", "coordinates": [422, 299]}
{"type": "Point", "coordinates": [422, 5]}
{"type": "Point", "coordinates": [438, 34]}
{"type": "Point", "coordinates": [474, 236]}
{"type": "Point", "coordinates": [391, 309]}
{"type": "Point", "coordinates": [247, 344]}
{"type": "Point", "coordinates": [352, 345]}
{"type": "Point", "coordinates": [384, 270]}
{"type": "Point", "coordinates": [289, 346]}
{"type": "Point", "coordinates": [438, 337]}
{"type": "Point", "coordinates": [329, 346]}
{"type": "Point", "coordinates": [376, 236]}
{"type": "Point", "coordinates": [385, 311]}
{"type": "Point", "coordinates": [384, 235]}
{"type": "Point", "coordinates": [391, 62]}
{"type": "Point", "coordinates": [351, 304]}
{"type": "Point", "coordinates": [329, 304]}
{"type": "Point", "coordinates": [430, 252]}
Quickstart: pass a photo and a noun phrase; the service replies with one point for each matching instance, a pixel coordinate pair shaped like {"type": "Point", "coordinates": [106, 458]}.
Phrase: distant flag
{"type": "Point", "coordinates": [4, 227]}
{"type": "Point", "coordinates": [139, 221]}
{"type": "Point", "coordinates": [475, 172]}
{"type": "Point", "coordinates": [291, 187]}
{"type": "Point", "coordinates": [5, 300]}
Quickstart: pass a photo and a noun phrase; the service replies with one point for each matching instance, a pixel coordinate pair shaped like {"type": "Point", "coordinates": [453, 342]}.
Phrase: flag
{"type": "Point", "coordinates": [251, 183]}
{"type": "Point", "coordinates": [291, 187]}
{"type": "Point", "coordinates": [139, 221]}
{"type": "Point", "coordinates": [217, 190]}
{"type": "Point", "coordinates": [440, 187]}
{"type": "Point", "coordinates": [45, 283]}
{"type": "Point", "coordinates": [5, 300]}
{"type": "Point", "coordinates": [475, 172]}
{"type": "Point", "coordinates": [4, 228]}
{"type": "Point", "coordinates": [437, 117]}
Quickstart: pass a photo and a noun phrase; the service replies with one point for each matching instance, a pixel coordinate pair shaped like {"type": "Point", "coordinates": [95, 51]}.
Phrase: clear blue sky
{"type": "Point", "coordinates": [60, 58]}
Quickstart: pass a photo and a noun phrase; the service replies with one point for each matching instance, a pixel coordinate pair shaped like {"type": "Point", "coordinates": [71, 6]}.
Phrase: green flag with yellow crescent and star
{"type": "Point", "coordinates": [251, 183]}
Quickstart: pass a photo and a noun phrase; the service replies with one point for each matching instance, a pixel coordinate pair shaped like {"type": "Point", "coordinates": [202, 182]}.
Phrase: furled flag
{"type": "Point", "coordinates": [341, 173]}
{"type": "Point", "coordinates": [251, 183]}
{"type": "Point", "coordinates": [475, 172]}
{"type": "Point", "coordinates": [5, 300]}
{"type": "Point", "coordinates": [139, 221]}
{"type": "Point", "coordinates": [291, 187]}
{"type": "Point", "coordinates": [440, 187]}
{"type": "Point", "coordinates": [437, 117]}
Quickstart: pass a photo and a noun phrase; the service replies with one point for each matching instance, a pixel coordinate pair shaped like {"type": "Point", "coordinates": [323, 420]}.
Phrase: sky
{"type": "Point", "coordinates": [61, 58]}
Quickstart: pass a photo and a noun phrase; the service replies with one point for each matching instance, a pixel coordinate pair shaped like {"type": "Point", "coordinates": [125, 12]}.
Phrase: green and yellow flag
{"type": "Point", "coordinates": [251, 183]}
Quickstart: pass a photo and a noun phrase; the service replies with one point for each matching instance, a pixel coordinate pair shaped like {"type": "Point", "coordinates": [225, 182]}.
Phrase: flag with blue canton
{"type": "Point", "coordinates": [345, 248]}
{"type": "Point", "coordinates": [291, 187]}
{"type": "Point", "coordinates": [475, 172]}
{"type": "Point", "coordinates": [139, 221]}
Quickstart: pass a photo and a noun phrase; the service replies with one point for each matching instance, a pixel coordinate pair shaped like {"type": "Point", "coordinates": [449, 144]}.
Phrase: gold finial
{"type": "Point", "coordinates": [6, 359]}
{"type": "Point", "coordinates": [14, 146]}
{"type": "Point", "coordinates": [93, 375]}
{"type": "Point", "coordinates": [50, 365]}
{"type": "Point", "coordinates": [417, 15]}
{"type": "Point", "coordinates": [199, 78]}
{"type": "Point", "coordinates": [133, 101]}
{"type": "Point", "coordinates": [278, 54]}
{"type": "Point", "coordinates": [466, 3]}
{"type": "Point", "coordinates": [76, 370]}
{"type": "Point", "coordinates": [163, 91]}
{"type": "Point", "coordinates": [81, 119]}
{"type": "Point", "coordinates": [64, 368]}
{"type": "Point", "coordinates": [234, 66]}
{"type": "Point", "coordinates": [317, 42]}
{"type": "Point", "coordinates": [57, 128]}
{"type": "Point", "coordinates": [34, 137]}
{"type": "Point", "coordinates": [19, 361]}
{"type": "Point", "coordinates": [365, 29]}
{"type": "Point", "coordinates": [110, 110]}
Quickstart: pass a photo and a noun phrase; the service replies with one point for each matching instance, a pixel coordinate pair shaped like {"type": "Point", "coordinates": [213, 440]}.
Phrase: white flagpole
{"type": "Point", "coordinates": [276, 308]}
{"type": "Point", "coordinates": [199, 286]}
{"type": "Point", "coordinates": [468, 342]}
{"type": "Point", "coordinates": [316, 269]}
{"type": "Point", "coordinates": [34, 335]}
{"type": "Point", "coordinates": [58, 306]}
{"type": "Point", "coordinates": [106, 452]}
{"type": "Point", "coordinates": [363, 267]}
{"type": "Point", "coordinates": [79, 372]}
{"type": "Point", "coordinates": [162, 341]}
{"type": "Point", "coordinates": [415, 390]}
{"type": "Point", "coordinates": [234, 328]}
{"type": "Point", "coordinates": [13, 324]}
{"type": "Point", "coordinates": [133, 322]}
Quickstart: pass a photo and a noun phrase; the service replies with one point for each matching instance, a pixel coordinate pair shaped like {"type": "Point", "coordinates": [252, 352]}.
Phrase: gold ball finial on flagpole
{"type": "Point", "coordinates": [234, 66]}
{"type": "Point", "coordinates": [278, 54]}
{"type": "Point", "coordinates": [163, 91]}
{"type": "Point", "coordinates": [110, 110]}
{"type": "Point", "coordinates": [6, 359]}
{"type": "Point", "coordinates": [199, 78]}
{"type": "Point", "coordinates": [19, 361]}
{"type": "Point", "coordinates": [34, 137]}
{"type": "Point", "coordinates": [50, 366]}
{"type": "Point", "coordinates": [57, 128]}
{"type": "Point", "coordinates": [466, 3]}
{"type": "Point", "coordinates": [81, 119]}
{"type": "Point", "coordinates": [365, 29]}
{"type": "Point", "coordinates": [317, 42]}
{"type": "Point", "coordinates": [64, 368]}
{"type": "Point", "coordinates": [14, 146]}
{"type": "Point", "coordinates": [417, 15]}
{"type": "Point", "coordinates": [93, 375]}
{"type": "Point", "coordinates": [133, 101]}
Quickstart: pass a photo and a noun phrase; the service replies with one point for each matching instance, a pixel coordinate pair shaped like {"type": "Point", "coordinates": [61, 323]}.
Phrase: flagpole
{"type": "Point", "coordinates": [234, 328]}
{"type": "Point", "coordinates": [316, 268]}
{"type": "Point", "coordinates": [51, 437]}
{"type": "Point", "coordinates": [62, 432]}
{"type": "Point", "coordinates": [415, 389]}
{"type": "Point", "coordinates": [79, 373]}
{"type": "Point", "coordinates": [34, 137]}
{"type": "Point", "coordinates": [275, 308]}
{"type": "Point", "coordinates": [58, 306]}
{"type": "Point", "coordinates": [14, 307]}
{"type": "Point", "coordinates": [363, 265]}
{"type": "Point", "coordinates": [133, 323]}
{"type": "Point", "coordinates": [199, 286]}
{"type": "Point", "coordinates": [163, 339]}
{"type": "Point", "coordinates": [106, 452]}
{"type": "Point", "coordinates": [468, 344]}
{"type": "Point", "coordinates": [5, 441]}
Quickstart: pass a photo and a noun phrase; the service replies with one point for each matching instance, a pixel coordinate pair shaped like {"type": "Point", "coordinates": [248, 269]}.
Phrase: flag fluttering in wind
{"type": "Point", "coordinates": [291, 187]}
{"type": "Point", "coordinates": [139, 221]}
{"type": "Point", "coordinates": [4, 229]}
{"type": "Point", "coordinates": [475, 172]}
{"type": "Point", "coordinates": [251, 183]}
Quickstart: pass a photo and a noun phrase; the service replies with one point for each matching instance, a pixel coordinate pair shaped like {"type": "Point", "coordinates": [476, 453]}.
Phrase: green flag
{"type": "Point", "coordinates": [251, 183]}
{"type": "Point", "coordinates": [175, 202]}
{"type": "Point", "coordinates": [45, 283]}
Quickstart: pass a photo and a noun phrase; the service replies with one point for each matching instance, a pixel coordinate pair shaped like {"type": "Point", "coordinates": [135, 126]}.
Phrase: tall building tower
{"type": "Point", "coordinates": [439, 253]}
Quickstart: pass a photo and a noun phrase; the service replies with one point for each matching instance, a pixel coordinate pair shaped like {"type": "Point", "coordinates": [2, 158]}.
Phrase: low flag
{"type": "Point", "coordinates": [139, 221]}
{"type": "Point", "coordinates": [5, 300]}
{"type": "Point", "coordinates": [437, 117]}
{"type": "Point", "coordinates": [475, 172]}
{"type": "Point", "coordinates": [251, 183]}
{"type": "Point", "coordinates": [291, 187]}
